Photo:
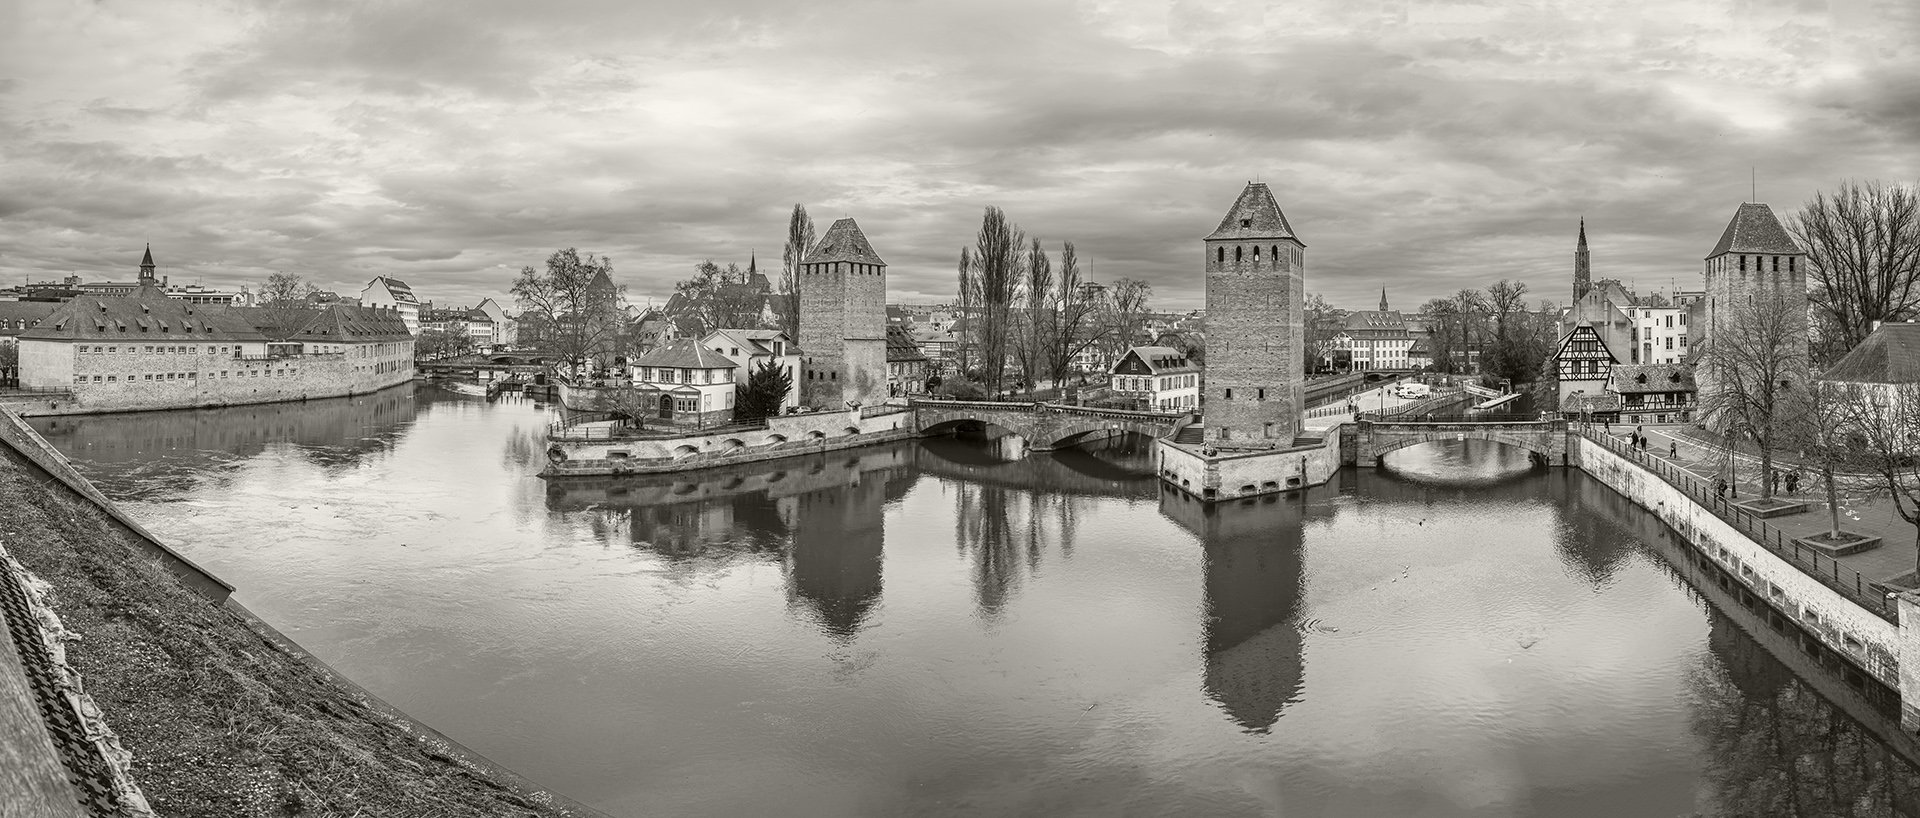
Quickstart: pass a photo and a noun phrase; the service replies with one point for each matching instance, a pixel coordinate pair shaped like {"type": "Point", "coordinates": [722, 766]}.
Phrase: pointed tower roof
{"type": "Point", "coordinates": [843, 242]}
{"type": "Point", "coordinates": [1583, 234]}
{"type": "Point", "coordinates": [1255, 215]}
{"type": "Point", "coordinates": [147, 260]}
{"type": "Point", "coordinates": [1754, 229]}
{"type": "Point", "coordinates": [1383, 299]}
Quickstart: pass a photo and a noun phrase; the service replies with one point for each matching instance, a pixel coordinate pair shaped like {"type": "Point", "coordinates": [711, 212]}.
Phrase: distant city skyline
{"type": "Point", "coordinates": [1420, 146]}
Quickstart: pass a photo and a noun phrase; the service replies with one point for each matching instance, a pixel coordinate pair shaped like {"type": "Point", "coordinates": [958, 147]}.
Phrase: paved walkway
{"type": "Point", "coordinates": [1372, 400]}
{"type": "Point", "coordinates": [1864, 507]}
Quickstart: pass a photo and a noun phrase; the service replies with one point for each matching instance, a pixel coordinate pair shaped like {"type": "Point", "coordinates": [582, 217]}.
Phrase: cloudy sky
{"type": "Point", "coordinates": [1417, 144]}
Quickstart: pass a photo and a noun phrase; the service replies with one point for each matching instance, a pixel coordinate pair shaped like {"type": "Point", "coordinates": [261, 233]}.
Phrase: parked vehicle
{"type": "Point", "coordinates": [1413, 391]}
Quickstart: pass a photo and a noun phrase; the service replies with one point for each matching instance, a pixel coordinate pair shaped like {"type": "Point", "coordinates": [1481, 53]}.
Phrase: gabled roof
{"type": "Point", "coordinates": [900, 346]}
{"type": "Point", "coordinates": [150, 319]}
{"type": "Point", "coordinates": [1255, 215]}
{"type": "Point", "coordinates": [28, 311]}
{"type": "Point", "coordinates": [843, 242]}
{"type": "Point", "coordinates": [757, 340]}
{"type": "Point", "coordinates": [1583, 332]}
{"type": "Point", "coordinates": [1754, 229]}
{"type": "Point", "coordinates": [683, 353]}
{"type": "Point", "coordinates": [342, 324]}
{"type": "Point", "coordinates": [396, 288]}
{"type": "Point", "coordinates": [1631, 379]}
{"type": "Point", "coordinates": [1158, 359]}
{"type": "Point", "coordinates": [1890, 354]}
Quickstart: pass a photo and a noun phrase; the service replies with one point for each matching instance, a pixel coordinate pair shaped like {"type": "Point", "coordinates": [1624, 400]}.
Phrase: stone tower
{"type": "Point", "coordinates": [843, 321]}
{"type": "Point", "coordinates": [1755, 256]}
{"type": "Point", "coordinates": [1255, 340]}
{"type": "Point", "coordinates": [1582, 268]}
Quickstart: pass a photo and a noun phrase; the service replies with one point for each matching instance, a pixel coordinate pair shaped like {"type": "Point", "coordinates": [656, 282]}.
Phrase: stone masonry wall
{"type": "Point", "coordinates": [1254, 384]}
{"type": "Point", "coordinates": [141, 379]}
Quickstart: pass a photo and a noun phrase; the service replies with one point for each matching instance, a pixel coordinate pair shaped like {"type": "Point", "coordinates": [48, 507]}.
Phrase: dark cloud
{"type": "Point", "coordinates": [1426, 147]}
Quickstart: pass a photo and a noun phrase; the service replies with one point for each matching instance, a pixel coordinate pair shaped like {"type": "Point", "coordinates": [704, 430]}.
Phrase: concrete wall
{"type": "Point", "coordinates": [1245, 474]}
{"type": "Point", "coordinates": [1862, 637]}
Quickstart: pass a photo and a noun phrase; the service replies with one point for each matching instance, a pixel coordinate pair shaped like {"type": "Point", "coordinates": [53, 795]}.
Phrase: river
{"type": "Point", "coordinates": [919, 629]}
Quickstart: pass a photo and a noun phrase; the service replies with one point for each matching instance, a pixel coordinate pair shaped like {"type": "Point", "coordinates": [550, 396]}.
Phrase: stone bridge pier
{"type": "Point", "coordinates": [1546, 439]}
{"type": "Point", "coordinates": [1028, 427]}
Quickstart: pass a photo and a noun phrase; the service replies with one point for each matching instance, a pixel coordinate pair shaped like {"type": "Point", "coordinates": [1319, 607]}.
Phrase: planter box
{"type": "Point", "coordinates": [1770, 508]}
{"type": "Point", "coordinates": [1853, 544]}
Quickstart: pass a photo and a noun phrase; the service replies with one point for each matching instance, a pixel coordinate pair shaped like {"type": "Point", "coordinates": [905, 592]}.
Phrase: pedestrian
{"type": "Point", "coordinates": [1673, 449]}
{"type": "Point", "coordinates": [1720, 487]}
{"type": "Point", "coordinates": [1775, 480]}
{"type": "Point", "coordinates": [1793, 482]}
{"type": "Point", "coordinates": [1607, 422]}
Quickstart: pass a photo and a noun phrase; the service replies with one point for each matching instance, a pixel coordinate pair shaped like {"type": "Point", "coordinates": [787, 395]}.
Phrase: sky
{"type": "Point", "coordinates": [1416, 145]}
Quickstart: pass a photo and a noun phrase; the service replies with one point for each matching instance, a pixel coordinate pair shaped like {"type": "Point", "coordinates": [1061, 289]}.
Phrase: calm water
{"type": "Point", "coordinates": [921, 630]}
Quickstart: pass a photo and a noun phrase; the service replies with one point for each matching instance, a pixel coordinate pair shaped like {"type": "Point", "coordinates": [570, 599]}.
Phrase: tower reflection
{"type": "Point", "coordinates": [1254, 588]}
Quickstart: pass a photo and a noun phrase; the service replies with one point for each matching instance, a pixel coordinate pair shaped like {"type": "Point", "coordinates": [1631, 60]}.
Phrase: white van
{"type": "Point", "coordinates": [1413, 391]}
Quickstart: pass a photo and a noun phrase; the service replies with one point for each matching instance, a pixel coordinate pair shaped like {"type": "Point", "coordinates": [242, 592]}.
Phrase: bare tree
{"type": "Point", "coordinates": [1125, 315]}
{"type": "Point", "coordinates": [998, 269]}
{"type": "Point", "coordinates": [1882, 431]}
{"type": "Point", "coordinates": [1863, 259]}
{"type": "Point", "coordinates": [799, 241]}
{"type": "Point", "coordinates": [719, 298]}
{"type": "Point", "coordinates": [1321, 330]}
{"type": "Point", "coordinates": [285, 298]}
{"type": "Point", "coordinates": [1076, 330]}
{"type": "Point", "coordinates": [575, 303]}
{"type": "Point", "coordinates": [1755, 367]}
{"type": "Point", "coordinates": [1036, 340]}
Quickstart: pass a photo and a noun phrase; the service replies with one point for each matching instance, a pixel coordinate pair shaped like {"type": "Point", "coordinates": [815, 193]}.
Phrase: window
{"type": "Point", "coordinates": [1229, 393]}
{"type": "Point", "coordinates": [1236, 255]}
{"type": "Point", "coordinates": [79, 379]}
{"type": "Point", "coordinates": [1221, 256]}
{"type": "Point", "coordinates": [1260, 394]}
{"type": "Point", "coordinates": [146, 377]}
{"type": "Point", "coordinates": [1743, 264]}
{"type": "Point", "coordinates": [1776, 264]}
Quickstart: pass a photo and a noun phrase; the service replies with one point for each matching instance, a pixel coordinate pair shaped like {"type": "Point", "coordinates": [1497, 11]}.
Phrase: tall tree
{"type": "Point", "coordinates": [998, 267]}
{"type": "Point", "coordinates": [719, 298]}
{"type": "Point", "coordinates": [1443, 322]}
{"type": "Point", "coordinates": [1521, 342]}
{"type": "Point", "coordinates": [766, 389]}
{"type": "Point", "coordinates": [1756, 383]}
{"type": "Point", "coordinates": [1863, 259]}
{"type": "Point", "coordinates": [967, 321]}
{"type": "Point", "coordinates": [574, 304]}
{"type": "Point", "coordinates": [285, 298]}
{"type": "Point", "coordinates": [1881, 424]}
{"type": "Point", "coordinates": [1126, 315]}
{"type": "Point", "coordinates": [1320, 327]}
{"type": "Point", "coordinates": [1077, 328]}
{"type": "Point", "coordinates": [1036, 340]}
{"type": "Point", "coordinates": [799, 241]}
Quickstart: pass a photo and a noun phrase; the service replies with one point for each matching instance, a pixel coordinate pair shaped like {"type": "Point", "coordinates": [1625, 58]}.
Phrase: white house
{"type": "Point", "coordinates": [1376, 339]}
{"type": "Point", "coordinates": [1161, 378]}
{"type": "Point", "coordinates": [1661, 332]}
{"type": "Point", "coordinates": [750, 349]}
{"type": "Point", "coordinates": [503, 329]}
{"type": "Point", "coordinates": [687, 384]}
{"type": "Point", "coordinates": [383, 291]}
{"type": "Point", "coordinates": [1584, 367]}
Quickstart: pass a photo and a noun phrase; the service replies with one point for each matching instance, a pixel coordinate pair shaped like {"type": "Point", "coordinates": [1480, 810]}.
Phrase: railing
{"type": "Point", "coordinates": [34, 393]}
{"type": "Point", "coordinates": [1063, 408]}
{"type": "Point", "coordinates": [622, 431]}
{"type": "Point", "coordinates": [1845, 581]}
{"type": "Point", "coordinates": [1477, 417]}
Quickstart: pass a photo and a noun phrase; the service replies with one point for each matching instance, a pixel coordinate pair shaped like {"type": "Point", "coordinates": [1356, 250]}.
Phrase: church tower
{"type": "Point", "coordinates": [1383, 299]}
{"type": "Point", "coordinates": [843, 321]}
{"type": "Point", "coordinates": [1582, 268]}
{"type": "Point", "coordinates": [1255, 268]}
{"type": "Point", "coordinates": [146, 266]}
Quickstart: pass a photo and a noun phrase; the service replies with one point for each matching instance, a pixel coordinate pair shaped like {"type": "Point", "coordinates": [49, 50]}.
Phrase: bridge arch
{"type": "Point", "coordinates": [1548, 439]}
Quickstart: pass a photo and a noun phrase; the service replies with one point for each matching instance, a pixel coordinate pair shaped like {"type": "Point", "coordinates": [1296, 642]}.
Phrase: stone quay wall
{"type": "Point", "coordinates": [784, 436]}
{"type": "Point", "coordinates": [1882, 649]}
{"type": "Point", "coordinates": [142, 383]}
{"type": "Point", "coordinates": [1230, 474]}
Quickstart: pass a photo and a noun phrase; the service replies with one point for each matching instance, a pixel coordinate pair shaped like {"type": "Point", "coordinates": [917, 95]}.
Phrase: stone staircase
{"type": "Point", "coordinates": [1192, 435]}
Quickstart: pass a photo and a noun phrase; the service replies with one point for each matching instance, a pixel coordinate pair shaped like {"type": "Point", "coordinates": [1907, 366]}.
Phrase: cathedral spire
{"type": "Point", "coordinates": [1383, 299]}
{"type": "Point", "coordinates": [146, 264]}
{"type": "Point", "coordinates": [1582, 267]}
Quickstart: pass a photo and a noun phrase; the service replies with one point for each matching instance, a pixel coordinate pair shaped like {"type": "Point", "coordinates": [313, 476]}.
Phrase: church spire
{"type": "Point", "coordinates": [1383, 299]}
{"type": "Point", "coordinates": [1582, 267]}
{"type": "Point", "coordinates": [753, 263]}
{"type": "Point", "coordinates": [146, 265]}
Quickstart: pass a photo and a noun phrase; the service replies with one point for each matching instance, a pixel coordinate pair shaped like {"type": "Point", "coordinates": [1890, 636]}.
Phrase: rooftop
{"type": "Point", "coordinates": [1754, 229]}
{"type": "Point", "coordinates": [683, 353]}
{"type": "Point", "coordinates": [844, 242]}
{"type": "Point", "coordinates": [1255, 215]}
{"type": "Point", "coordinates": [1890, 354]}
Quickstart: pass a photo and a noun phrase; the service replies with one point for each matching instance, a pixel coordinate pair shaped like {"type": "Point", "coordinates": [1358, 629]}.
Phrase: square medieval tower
{"type": "Point", "coordinates": [1756, 277]}
{"type": "Point", "coordinates": [843, 321]}
{"type": "Point", "coordinates": [1255, 339]}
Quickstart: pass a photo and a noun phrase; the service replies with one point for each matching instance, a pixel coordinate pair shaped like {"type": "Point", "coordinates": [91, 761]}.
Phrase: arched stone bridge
{"type": "Point", "coordinates": [1040, 426]}
{"type": "Point", "coordinates": [1376, 439]}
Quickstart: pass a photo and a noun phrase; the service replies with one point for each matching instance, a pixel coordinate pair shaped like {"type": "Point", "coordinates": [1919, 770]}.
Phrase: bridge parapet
{"type": "Point", "coordinates": [1377, 438]}
{"type": "Point", "coordinates": [1043, 425]}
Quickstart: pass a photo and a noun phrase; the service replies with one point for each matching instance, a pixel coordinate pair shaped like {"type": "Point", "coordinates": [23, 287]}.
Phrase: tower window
{"type": "Point", "coordinates": [1789, 264]}
{"type": "Point", "coordinates": [1236, 254]}
{"type": "Point", "coordinates": [1743, 264]}
{"type": "Point", "coordinates": [1246, 222]}
{"type": "Point", "coordinates": [1256, 253]}
{"type": "Point", "coordinates": [1229, 393]}
{"type": "Point", "coordinates": [1260, 394]}
{"type": "Point", "coordinates": [1222, 255]}
{"type": "Point", "coordinates": [1275, 255]}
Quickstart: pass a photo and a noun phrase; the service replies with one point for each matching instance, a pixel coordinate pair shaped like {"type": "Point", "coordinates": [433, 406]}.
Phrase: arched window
{"type": "Point", "coordinates": [1276, 254]}
{"type": "Point", "coordinates": [1236, 255]}
{"type": "Point", "coordinates": [1256, 253]}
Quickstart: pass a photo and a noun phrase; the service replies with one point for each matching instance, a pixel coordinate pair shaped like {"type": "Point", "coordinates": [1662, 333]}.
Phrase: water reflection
{"type": "Point", "coordinates": [1254, 588]}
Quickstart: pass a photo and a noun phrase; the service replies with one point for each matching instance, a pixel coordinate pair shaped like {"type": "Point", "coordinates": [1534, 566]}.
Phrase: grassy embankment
{"type": "Point", "coordinates": [222, 720]}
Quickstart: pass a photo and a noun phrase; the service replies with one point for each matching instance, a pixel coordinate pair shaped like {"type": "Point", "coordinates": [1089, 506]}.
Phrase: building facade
{"type": "Point", "coordinates": [1376, 339]}
{"type": "Point", "coordinates": [1255, 267]}
{"type": "Point", "coordinates": [907, 367]}
{"type": "Point", "coordinates": [685, 384]}
{"type": "Point", "coordinates": [1654, 393]}
{"type": "Point", "coordinates": [843, 321]}
{"type": "Point", "coordinates": [1754, 271]}
{"type": "Point", "coordinates": [1583, 364]}
{"type": "Point", "coordinates": [394, 294]}
{"type": "Point", "coordinates": [751, 349]}
{"type": "Point", "coordinates": [1158, 379]}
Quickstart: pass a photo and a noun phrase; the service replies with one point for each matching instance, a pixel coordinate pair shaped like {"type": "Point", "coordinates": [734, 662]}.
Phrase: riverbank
{"type": "Point", "coordinates": [223, 716]}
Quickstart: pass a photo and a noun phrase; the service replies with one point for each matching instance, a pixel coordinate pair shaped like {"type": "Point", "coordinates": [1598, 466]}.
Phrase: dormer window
{"type": "Point", "coordinates": [1246, 222]}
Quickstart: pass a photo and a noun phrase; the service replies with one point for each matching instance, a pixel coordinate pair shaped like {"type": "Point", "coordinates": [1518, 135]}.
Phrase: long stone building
{"type": "Point", "coordinates": [1255, 269]}
{"type": "Point", "coordinates": [843, 321]}
{"type": "Point", "coordinates": [147, 351]}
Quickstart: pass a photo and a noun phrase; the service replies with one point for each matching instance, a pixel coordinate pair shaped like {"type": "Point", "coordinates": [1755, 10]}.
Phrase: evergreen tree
{"type": "Point", "coordinates": [767, 388]}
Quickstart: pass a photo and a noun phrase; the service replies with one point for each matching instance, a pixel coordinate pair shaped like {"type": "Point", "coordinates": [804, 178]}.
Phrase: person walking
{"type": "Point", "coordinates": [1720, 487]}
{"type": "Point", "coordinates": [1673, 449]}
{"type": "Point", "coordinates": [1774, 479]}
{"type": "Point", "coordinates": [1793, 482]}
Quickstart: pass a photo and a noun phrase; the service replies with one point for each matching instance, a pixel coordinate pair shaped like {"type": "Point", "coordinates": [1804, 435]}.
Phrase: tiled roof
{"type": "Point", "coordinates": [900, 346]}
{"type": "Point", "coordinates": [1255, 215]}
{"type": "Point", "coordinates": [1631, 379]}
{"type": "Point", "coordinates": [1754, 230]}
{"type": "Point", "coordinates": [844, 242]}
{"type": "Point", "coordinates": [1160, 360]}
{"type": "Point", "coordinates": [683, 353]}
{"type": "Point", "coordinates": [13, 312]}
{"type": "Point", "coordinates": [107, 318]}
{"type": "Point", "coordinates": [1891, 354]}
{"type": "Point", "coordinates": [343, 324]}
